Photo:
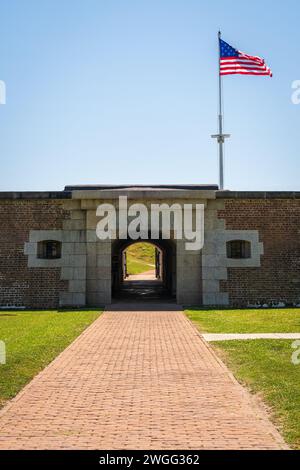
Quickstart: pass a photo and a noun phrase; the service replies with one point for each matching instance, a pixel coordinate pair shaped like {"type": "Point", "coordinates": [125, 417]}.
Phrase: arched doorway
{"type": "Point", "coordinates": [155, 281]}
{"type": "Point", "coordinates": [142, 261]}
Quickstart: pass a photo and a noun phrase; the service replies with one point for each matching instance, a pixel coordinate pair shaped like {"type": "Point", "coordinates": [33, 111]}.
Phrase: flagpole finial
{"type": "Point", "coordinates": [219, 33]}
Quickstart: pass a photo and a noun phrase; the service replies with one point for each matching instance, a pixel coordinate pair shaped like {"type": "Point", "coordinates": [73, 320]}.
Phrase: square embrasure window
{"type": "Point", "coordinates": [238, 249]}
{"type": "Point", "coordinates": [49, 249]}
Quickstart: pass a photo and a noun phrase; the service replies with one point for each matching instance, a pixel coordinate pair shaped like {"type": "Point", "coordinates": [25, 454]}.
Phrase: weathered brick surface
{"type": "Point", "coordinates": [278, 278]}
{"type": "Point", "coordinates": [136, 380]}
{"type": "Point", "coordinates": [20, 285]}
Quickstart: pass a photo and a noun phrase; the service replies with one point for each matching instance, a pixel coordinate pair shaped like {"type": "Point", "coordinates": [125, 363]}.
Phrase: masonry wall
{"type": "Point", "coordinates": [19, 285]}
{"type": "Point", "coordinates": [82, 276]}
{"type": "Point", "coordinates": [277, 280]}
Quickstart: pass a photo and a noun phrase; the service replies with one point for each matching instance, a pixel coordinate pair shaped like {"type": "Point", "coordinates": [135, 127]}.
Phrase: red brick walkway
{"type": "Point", "coordinates": [136, 380]}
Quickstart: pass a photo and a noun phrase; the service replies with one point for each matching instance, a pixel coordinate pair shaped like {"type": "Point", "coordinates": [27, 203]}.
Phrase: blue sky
{"type": "Point", "coordinates": [122, 91]}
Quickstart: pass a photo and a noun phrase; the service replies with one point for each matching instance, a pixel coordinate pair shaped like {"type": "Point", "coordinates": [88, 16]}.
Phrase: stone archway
{"type": "Point", "coordinates": [163, 288]}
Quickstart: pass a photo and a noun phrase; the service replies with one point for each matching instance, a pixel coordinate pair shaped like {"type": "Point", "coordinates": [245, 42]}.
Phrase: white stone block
{"type": "Point", "coordinates": [78, 299]}
{"type": "Point", "coordinates": [74, 225]}
{"type": "Point", "coordinates": [65, 299]}
{"type": "Point", "coordinates": [67, 249]}
{"type": "Point", "coordinates": [92, 261]}
{"type": "Point", "coordinates": [210, 286]}
{"type": "Point", "coordinates": [77, 286]}
{"type": "Point", "coordinates": [91, 236]}
{"type": "Point", "coordinates": [214, 248]}
{"type": "Point", "coordinates": [71, 204]}
{"type": "Point", "coordinates": [73, 236]}
{"type": "Point", "coordinates": [78, 215]}
{"type": "Point", "coordinates": [104, 285]}
{"type": "Point", "coordinates": [34, 262]}
{"type": "Point", "coordinates": [222, 298]}
{"type": "Point", "coordinates": [79, 248]}
{"type": "Point", "coordinates": [216, 273]}
{"type": "Point", "coordinates": [213, 260]}
{"type": "Point", "coordinates": [40, 235]}
{"type": "Point", "coordinates": [103, 260]}
{"type": "Point", "coordinates": [78, 261]}
{"type": "Point", "coordinates": [209, 299]}
{"type": "Point", "coordinates": [79, 273]}
{"type": "Point", "coordinates": [103, 248]}
{"type": "Point", "coordinates": [216, 204]}
{"type": "Point", "coordinates": [66, 273]}
{"type": "Point", "coordinates": [103, 272]}
{"type": "Point", "coordinates": [92, 285]}
{"type": "Point", "coordinates": [189, 261]}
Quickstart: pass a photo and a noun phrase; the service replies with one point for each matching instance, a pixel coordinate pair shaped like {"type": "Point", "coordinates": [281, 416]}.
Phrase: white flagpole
{"type": "Point", "coordinates": [220, 136]}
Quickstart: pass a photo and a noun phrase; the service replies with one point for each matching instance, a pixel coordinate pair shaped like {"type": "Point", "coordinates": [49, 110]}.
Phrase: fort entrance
{"type": "Point", "coordinates": [135, 279]}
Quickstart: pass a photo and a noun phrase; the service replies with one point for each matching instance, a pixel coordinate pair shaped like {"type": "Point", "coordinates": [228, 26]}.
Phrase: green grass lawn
{"type": "Point", "coordinates": [140, 257]}
{"type": "Point", "coordinates": [135, 266]}
{"type": "Point", "coordinates": [264, 366]}
{"type": "Point", "coordinates": [247, 321]}
{"type": "Point", "coordinates": [33, 339]}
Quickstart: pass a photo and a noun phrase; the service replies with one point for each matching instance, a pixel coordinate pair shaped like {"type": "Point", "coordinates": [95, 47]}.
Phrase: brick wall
{"type": "Point", "coordinates": [278, 278]}
{"type": "Point", "coordinates": [20, 285]}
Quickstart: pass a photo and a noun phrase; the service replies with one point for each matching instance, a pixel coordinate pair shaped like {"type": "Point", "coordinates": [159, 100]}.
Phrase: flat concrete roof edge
{"type": "Point", "coordinates": [107, 192]}
{"type": "Point", "coordinates": [258, 194]}
{"type": "Point", "coordinates": [144, 194]}
{"type": "Point", "coordinates": [142, 187]}
{"type": "Point", "coordinates": [35, 195]}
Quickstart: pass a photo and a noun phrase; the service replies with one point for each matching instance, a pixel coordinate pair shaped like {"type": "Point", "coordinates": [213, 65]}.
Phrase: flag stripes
{"type": "Point", "coordinates": [233, 61]}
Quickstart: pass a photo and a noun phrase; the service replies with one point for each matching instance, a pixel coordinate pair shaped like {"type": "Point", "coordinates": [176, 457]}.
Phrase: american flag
{"type": "Point", "coordinates": [233, 61]}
